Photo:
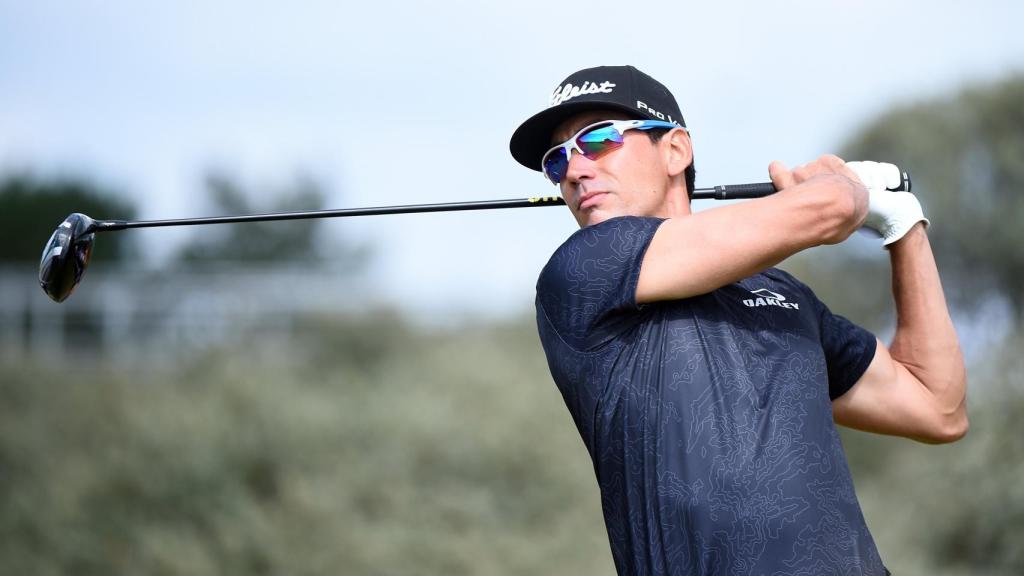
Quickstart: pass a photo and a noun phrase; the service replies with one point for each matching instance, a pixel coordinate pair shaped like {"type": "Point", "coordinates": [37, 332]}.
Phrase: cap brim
{"type": "Point", "coordinates": [533, 137]}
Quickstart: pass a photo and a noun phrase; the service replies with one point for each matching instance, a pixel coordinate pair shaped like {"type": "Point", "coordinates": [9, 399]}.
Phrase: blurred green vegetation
{"type": "Point", "coordinates": [955, 509]}
{"type": "Point", "coordinates": [296, 241]}
{"type": "Point", "coordinates": [367, 445]}
{"type": "Point", "coordinates": [33, 207]}
{"type": "Point", "coordinates": [370, 447]}
{"type": "Point", "coordinates": [965, 154]}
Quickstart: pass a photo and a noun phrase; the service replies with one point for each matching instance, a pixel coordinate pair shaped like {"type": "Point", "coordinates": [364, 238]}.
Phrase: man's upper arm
{"type": "Point", "coordinates": [587, 290]}
{"type": "Point", "coordinates": [888, 399]}
{"type": "Point", "coordinates": [706, 250]}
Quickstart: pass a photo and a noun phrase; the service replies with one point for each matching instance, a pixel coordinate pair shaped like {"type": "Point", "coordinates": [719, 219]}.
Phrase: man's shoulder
{"type": "Point", "coordinates": [623, 227]}
{"type": "Point", "coordinates": [615, 239]}
{"type": "Point", "coordinates": [587, 290]}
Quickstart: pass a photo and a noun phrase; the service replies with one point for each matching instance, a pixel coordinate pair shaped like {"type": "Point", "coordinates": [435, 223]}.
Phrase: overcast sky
{"type": "Point", "coordinates": [393, 102]}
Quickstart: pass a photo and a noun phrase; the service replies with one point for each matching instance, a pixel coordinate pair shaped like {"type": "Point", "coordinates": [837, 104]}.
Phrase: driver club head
{"type": "Point", "coordinates": [66, 255]}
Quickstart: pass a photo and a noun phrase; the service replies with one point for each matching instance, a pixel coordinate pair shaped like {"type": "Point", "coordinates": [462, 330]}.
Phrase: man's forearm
{"type": "Point", "coordinates": [725, 244]}
{"type": "Point", "coordinates": [926, 342]}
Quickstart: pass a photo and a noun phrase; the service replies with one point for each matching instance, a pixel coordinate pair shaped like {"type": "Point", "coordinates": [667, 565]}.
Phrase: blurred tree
{"type": "Point", "coordinates": [966, 156]}
{"type": "Point", "coordinates": [423, 452]}
{"type": "Point", "coordinates": [34, 206]}
{"type": "Point", "coordinates": [984, 532]}
{"type": "Point", "coordinates": [956, 509]}
{"type": "Point", "coordinates": [292, 241]}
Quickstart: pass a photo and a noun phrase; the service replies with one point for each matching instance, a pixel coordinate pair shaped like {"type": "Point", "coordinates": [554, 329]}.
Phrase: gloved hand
{"type": "Point", "coordinates": [891, 214]}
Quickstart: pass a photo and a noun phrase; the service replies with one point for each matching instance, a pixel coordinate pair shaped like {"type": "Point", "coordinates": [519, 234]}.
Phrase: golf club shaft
{"type": "Point", "coordinates": [110, 225]}
{"type": "Point", "coordinates": [731, 192]}
{"type": "Point", "coordinates": [718, 192]}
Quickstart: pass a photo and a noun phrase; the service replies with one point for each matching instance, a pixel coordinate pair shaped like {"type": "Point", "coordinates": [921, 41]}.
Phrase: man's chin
{"type": "Point", "coordinates": [591, 217]}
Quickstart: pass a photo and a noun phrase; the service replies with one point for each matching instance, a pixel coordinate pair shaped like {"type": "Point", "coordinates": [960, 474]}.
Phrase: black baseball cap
{"type": "Point", "coordinates": [621, 88]}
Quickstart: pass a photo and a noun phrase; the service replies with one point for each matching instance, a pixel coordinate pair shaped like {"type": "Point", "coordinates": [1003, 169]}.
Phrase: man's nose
{"type": "Point", "coordinates": [580, 167]}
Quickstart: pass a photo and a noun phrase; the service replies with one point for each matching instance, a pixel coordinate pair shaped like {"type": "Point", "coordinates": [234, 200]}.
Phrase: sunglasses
{"type": "Point", "coordinates": [593, 141]}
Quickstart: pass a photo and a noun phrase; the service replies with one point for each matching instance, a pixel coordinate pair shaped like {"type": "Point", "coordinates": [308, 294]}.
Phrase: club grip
{"type": "Point", "coordinates": [904, 183]}
{"type": "Point", "coordinates": [734, 191]}
{"type": "Point", "coordinates": [761, 189]}
{"type": "Point", "coordinates": [739, 191]}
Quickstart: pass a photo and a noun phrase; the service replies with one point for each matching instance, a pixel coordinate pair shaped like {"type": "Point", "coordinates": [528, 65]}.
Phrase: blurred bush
{"type": "Point", "coordinates": [369, 446]}
{"type": "Point", "coordinates": [959, 508]}
{"type": "Point", "coordinates": [294, 241]}
{"type": "Point", "coordinates": [956, 509]}
{"type": "Point", "coordinates": [965, 154]}
{"type": "Point", "coordinates": [34, 206]}
{"type": "Point", "coordinates": [377, 449]}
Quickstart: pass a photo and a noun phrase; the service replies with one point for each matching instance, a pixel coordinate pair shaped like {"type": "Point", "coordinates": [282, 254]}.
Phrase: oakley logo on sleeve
{"type": "Point", "coordinates": [766, 297]}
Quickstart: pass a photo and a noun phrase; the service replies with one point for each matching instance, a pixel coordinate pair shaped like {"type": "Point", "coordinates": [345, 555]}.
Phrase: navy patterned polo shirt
{"type": "Point", "coordinates": [708, 419]}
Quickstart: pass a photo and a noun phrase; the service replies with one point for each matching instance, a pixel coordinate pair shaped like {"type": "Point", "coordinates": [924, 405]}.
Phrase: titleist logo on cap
{"type": "Point", "coordinates": [568, 91]}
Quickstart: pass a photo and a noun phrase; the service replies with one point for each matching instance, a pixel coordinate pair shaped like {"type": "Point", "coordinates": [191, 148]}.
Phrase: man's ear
{"type": "Point", "coordinates": [679, 152]}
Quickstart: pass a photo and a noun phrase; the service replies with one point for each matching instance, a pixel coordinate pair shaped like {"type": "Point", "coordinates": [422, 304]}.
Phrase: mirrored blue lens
{"type": "Point", "coordinates": [598, 141]}
{"type": "Point", "coordinates": [593, 143]}
{"type": "Point", "coordinates": [555, 165]}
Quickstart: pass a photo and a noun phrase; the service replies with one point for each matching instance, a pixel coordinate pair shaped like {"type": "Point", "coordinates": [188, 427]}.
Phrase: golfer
{"type": "Point", "coordinates": [705, 383]}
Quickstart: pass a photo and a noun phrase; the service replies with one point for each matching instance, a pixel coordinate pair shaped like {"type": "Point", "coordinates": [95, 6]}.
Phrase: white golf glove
{"type": "Point", "coordinates": [890, 214]}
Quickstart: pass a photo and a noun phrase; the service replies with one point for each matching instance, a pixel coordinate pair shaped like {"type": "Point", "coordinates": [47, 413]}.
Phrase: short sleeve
{"type": "Point", "coordinates": [587, 290]}
{"type": "Point", "coordinates": [849, 349]}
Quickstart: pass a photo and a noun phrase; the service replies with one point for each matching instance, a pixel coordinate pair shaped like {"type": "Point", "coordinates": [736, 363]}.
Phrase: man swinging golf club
{"type": "Point", "coordinates": [705, 383]}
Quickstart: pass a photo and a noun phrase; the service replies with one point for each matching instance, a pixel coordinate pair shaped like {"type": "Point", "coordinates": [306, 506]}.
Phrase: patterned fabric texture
{"type": "Point", "coordinates": [708, 419]}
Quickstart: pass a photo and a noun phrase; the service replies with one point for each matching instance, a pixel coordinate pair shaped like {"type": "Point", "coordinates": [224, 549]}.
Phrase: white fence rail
{"type": "Point", "coordinates": [120, 311]}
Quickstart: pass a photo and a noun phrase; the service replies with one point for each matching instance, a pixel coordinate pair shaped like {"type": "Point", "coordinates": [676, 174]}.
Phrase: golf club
{"type": "Point", "coordinates": [67, 253]}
